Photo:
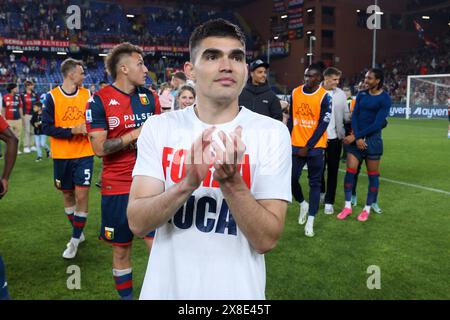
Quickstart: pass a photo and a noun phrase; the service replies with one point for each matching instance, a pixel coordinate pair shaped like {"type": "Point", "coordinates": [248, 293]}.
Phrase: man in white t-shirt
{"type": "Point", "coordinates": [213, 179]}
{"type": "Point", "coordinates": [335, 134]}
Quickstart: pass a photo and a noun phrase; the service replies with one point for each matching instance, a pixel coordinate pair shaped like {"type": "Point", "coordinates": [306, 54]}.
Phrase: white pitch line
{"type": "Point", "coordinates": [409, 184]}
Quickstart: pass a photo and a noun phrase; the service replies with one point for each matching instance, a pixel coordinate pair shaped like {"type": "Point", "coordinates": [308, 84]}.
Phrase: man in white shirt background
{"type": "Point", "coordinates": [335, 133]}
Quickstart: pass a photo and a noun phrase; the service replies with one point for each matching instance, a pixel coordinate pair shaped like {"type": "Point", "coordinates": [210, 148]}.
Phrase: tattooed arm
{"type": "Point", "coordinates": [103, 146]}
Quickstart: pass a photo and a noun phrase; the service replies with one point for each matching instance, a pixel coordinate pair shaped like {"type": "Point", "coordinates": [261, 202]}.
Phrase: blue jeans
{"type": "Point", "coordinates": [41, 142]}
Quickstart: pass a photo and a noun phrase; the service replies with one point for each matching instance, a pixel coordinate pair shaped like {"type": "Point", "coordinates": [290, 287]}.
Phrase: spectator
{"type": "Point", "coordinates": [186, 96]}
{"type": "Point", "coordinates": [257, 95]}
{"type": "Point", "coordinates": [178, 80]}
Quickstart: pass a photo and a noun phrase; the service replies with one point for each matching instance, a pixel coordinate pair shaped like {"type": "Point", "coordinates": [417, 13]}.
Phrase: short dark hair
{"type": "Point", "coordinates": [116, 54]}
{"type": "Point", "coordinates": [332, 71]}
{"type": "Point", "coordinates": [10, 87]}
{"type": "Point", "coordinates": [379, 74]}
{"type": "Point", "coordinates": [28, 83]}
{"type": "Point", "coordinates": [180, 75]}
{"type": "Point", "coordinates": [101, 82]}
{"type": "Point", "coordinates": [315, 66]}
{"type": "Point", "coordinates": [214, 28]}
{"type": "Point", "coordinates": [68, 65]}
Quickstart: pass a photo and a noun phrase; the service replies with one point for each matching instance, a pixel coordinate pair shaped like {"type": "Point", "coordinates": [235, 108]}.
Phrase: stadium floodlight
{"type": "Point", "coordinates": [275, 38]}
{"type": "Point", "coordinates": [62, 53]}
{"type": "Point", "coordinates": [284, 16]}
{"type": "Point", "coordinates": [426, 17]}
{"type": "Point", "coordinates": [309, 10]}
{"type": "Point", "coordinates": [379, 12]}
{"type": "Point", "coordinates": [358, 11]}
{"type": "Point", "coordinates": [427, 96]}
{"type": "Point", "coordinates": [102, 54]}
{"type": "Point", "coordinates": [130, 15]}
{"type": "Point", "coordinates": [17, 51]}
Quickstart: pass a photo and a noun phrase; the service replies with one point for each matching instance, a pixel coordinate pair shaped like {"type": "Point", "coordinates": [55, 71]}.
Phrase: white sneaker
{"type": "Point", "coordinates": [33, 148]}
{"type": "Point", "coordinates": [309, 228]}
{"type": "Point", "coordinates": [26, 150]}
{"type": "Point", "coordinates": [328, 209]}
{"type": "Point", "coordinates": [322, 198]}
{"type": "Point", "coordinates": [304, 208]}
{"type": "Point", "coordinates": [71, 251]}
{"type": "Point", "coordinates": [82, 239]}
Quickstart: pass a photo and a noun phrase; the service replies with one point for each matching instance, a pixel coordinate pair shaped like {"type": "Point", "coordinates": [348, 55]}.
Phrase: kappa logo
{"type": "Point", "coordinates": [304, 110]}
{"type": "Point", "coordinates": [265, 101]}
{"type": "Point", "coordinates": [113, 102]}
{"type": "Point", "coordinates": [113, 122]}
{"type": "Point", "coordinates": [73, 113]}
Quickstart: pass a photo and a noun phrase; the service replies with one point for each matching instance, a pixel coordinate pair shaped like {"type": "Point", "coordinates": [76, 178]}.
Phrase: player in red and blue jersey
{"type": "Point", "coordinates": [29, 99]}
{"type": "Point", "coordinates": [12, 143]}
{"type": "Point", "coordinates": [114, 117]}
{"type": "Point", "coordinates": [12, 110]}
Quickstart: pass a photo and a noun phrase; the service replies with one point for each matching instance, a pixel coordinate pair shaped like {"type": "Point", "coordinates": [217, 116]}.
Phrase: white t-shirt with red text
{"type": "Point", "coordinates": [201, 253]}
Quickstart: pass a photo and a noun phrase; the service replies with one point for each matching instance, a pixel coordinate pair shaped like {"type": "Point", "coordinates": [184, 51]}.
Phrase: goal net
{"type": "Point", "coordinates": [428, 96]}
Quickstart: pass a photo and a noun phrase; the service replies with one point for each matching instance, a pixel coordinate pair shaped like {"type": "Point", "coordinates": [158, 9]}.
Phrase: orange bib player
{"type": "Point", "coordinates": [63, 119]}
{"type": "Point", "coordinates": [64, 111]}
{"type": "Point", "coordinates": [310, 116]}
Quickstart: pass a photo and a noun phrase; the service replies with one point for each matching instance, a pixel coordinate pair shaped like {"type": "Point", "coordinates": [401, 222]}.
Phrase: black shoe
{"type": "Point", "coordinates": [48, 153]}
{"type": "Point", "coordinates": [99, 184]}
{"type": "Point", "coordinates": [38, 159]}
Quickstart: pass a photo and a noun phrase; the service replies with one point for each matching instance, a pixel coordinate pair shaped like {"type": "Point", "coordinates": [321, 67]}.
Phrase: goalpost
{"type": "Point", "coordinates": [428, 96]}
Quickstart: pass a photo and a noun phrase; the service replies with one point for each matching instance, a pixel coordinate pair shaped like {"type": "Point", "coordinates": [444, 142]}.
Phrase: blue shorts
{"type": "Point", "coordinates": [374, 149]}
{"type": "Point", "coordinates": [115, 229]}
{"type": "Point", "coordinates": [69, 173]}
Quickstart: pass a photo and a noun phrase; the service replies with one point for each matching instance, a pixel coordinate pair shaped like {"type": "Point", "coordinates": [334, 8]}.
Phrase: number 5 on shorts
{"type": "Point", "coordinates": [87, 177]}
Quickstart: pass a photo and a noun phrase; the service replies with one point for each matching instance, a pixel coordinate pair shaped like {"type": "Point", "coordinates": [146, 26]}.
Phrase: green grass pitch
{"type": "Point", "coordinates": [408, 241]}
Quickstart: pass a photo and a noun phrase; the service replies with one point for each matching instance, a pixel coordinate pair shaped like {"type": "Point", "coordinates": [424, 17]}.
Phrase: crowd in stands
{"type": "Point", "coordinates": [425, 60]}
{"type": "Point", "coordinates": [103, 22]}
{"type": "Point", "coordinates": [44, 70]}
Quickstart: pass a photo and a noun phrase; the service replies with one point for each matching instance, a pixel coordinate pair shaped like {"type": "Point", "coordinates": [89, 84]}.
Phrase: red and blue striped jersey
{"type": "Point", "coordinates": [12, 104]}
{"type": "Point", "coordinates": [28, 101]}
{"type": "Point", "coordinates": [119, 113]}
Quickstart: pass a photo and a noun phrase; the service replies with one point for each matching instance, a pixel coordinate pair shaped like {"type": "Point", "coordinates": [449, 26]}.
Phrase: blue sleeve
{"type": "Point", "coordinates": [355, 113]}
{"type": "Point", "coordinates": [95, 115]}
{"type": "Point", "coordinates": [290, 123]}
{"type": "Point", "coordinates": [324, 120]}
{"type": "Point", "coordinates": [380, 119]}
{"type": "Point", "coordinates": [48, 121]}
